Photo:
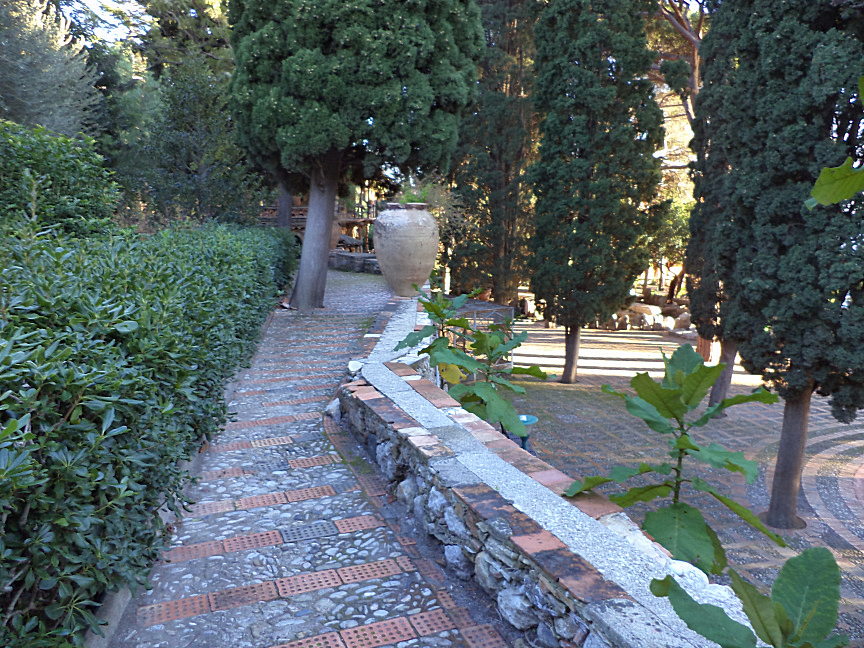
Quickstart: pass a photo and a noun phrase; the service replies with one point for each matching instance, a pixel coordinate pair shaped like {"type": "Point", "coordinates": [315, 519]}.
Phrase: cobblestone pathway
{"type": "Point", "coordinates": [293, 541]}
{"type": "Point", "coordinates": [583, 431]}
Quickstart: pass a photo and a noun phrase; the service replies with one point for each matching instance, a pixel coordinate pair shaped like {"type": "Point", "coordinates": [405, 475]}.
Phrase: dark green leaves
{"type": "Point", "coordinates": [769, 619]}
{"type": "Point", "coordinates": [411, 65]}
{"type": "Point", "coordinates": [681, 529]}
{"type": "Point", "coordinates": [708, 620]}
{"type": "Point", "coordinates": [596, 170]}
{"type": "Point", "coordinates": [645, 410]}
{"type": "Point", "coordinates": [66, 175]}
{"type": "Point", "coordinates": [667, 402]}
{"type": "Point", "coordinates": [119, 349]}
{"type": "Point", "coordinates": [800, 613]}
{"type": "Point", "coordinates": [808, 587]}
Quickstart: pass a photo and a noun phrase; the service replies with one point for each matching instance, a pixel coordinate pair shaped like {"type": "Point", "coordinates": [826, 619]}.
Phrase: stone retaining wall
{"type": "Point", "coordinates": [568, 572]}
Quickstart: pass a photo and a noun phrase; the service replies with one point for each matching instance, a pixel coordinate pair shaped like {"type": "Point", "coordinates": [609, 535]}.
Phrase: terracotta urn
{"type": "Point", "coordinates": [406, 244]}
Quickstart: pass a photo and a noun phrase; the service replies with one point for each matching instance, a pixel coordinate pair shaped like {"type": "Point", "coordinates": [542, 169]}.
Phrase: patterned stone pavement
{"type": "Point", "coordinates": [292, 540]}
{"type": "Point", "coordinates": [583, 431]}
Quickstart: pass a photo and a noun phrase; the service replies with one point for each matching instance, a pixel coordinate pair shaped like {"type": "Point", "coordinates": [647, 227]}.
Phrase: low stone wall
{"type": "Point", "coordinates": [567, 572]}
{"type": "Point", "coordinates": [365, 262]}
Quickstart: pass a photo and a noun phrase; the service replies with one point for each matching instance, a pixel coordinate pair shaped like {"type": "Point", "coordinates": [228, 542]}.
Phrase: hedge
{"type": "Point", "coordinates": [114, 355]}
{"type": "Point", "coordinates": [60, 179]}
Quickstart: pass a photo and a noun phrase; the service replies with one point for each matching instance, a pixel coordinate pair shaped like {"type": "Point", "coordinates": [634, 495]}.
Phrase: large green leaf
{"type": "Point", "coordinates": [741, 511]}
{"type": "Point", "coordinates": [533, 370]}
{"type": "Point", "coordinates": [457, 357]}
{"type": "Point", "coordinates": [498, 409]}
{"type": "Point", "coordinates": [416, 337]}
{"type": "Point", "coordinates": [494, 344]}
{"type": "Point", "coordinates": [618, 474]}
{"type": "Point", "coordinates": [641, 494]}
{"type": "Point", "coordinates": [682, 530]}
{"type": "Point", "coordinates": [644, 410]}
{"type": "Point", "coordinates": [720, 561]}
{"type": "Point", "coordinates": [682, 363]}
{"type": "Point", "coordinates": [697, 384]}
{"type": "Point", "coordinates": [648, 413]}
{"type": "Point", "coordinates": [760, 395]}
{"type": "Point", "coordinates": [458, 323]}
{"type": "Point", "coordinates": [436, 344]}
{"type": "Point", "coordinates": [834, 641]}
{"type": "Point", "coordinates": [709, 621]}
{"type": "Point", "coordinates": [719, 457]}
{"type": "Point", "coordinates": [667, 401]}
{"type": "Point", "coordinates": [836, 184]}
{"type": "Point", "coordinates": [808, 588]}
{"type": "Point", "coordinates": [760, 610]}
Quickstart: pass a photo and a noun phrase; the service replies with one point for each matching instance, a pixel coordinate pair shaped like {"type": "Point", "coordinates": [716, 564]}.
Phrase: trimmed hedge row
{"type": "Point", "coordinates": [60, 179]}
{"type": "Point", "coordinates": [114, 354]}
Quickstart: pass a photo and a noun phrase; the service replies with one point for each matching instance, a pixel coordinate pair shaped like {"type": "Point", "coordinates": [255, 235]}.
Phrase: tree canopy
{"type": "Point", "coordinates": [184, 29]}
{"type": "Point", "coordinates": [497, 144]}
{"type": "Point", "coordinates": [44, 76]}
{"type": "Point", "coordinates": [329, 89]}
{"type": "Point", "coordinates": [785, 283]}
{"type": "Point", "coordinates": [596, 173]}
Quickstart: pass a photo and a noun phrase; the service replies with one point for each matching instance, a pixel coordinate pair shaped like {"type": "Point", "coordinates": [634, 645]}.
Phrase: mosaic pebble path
{"type": "Point", "coordinates": [583, 431]}
{"type": "Point", "coordinates": [293, 541]}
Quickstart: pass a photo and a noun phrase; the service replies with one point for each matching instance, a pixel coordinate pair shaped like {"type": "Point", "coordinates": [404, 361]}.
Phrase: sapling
{"type": "Point", "coordinates": [802, 608]}
{"type": "Point", "coordinates": [474, 379]}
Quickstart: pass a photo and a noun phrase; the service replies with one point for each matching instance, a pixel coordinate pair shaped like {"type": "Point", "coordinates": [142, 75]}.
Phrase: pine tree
{"type": "Point", "coordinates": [596, 172]}
{"type": "Point", "coordinates": [497, 144]}
{"type": "Point", "coordinates": [44, 76]}
{"type": "Point", "coordinates": [333, 88]}
{"type": "Point", "coordinates": [790, 281]}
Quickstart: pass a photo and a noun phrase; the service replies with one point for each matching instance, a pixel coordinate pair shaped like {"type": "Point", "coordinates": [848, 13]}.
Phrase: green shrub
{"type": "Point", "coordinates": [114, 353]}
{"type": "Point", "coordinates": [57, 178]}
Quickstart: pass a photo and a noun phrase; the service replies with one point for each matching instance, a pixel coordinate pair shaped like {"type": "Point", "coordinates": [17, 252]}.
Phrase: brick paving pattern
{"type": "Point", "coordinates": [293, 540]}
{"type": "Point", "coordinates": [582, 431]}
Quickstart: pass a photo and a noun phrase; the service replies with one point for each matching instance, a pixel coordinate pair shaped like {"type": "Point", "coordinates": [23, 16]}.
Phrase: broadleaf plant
{"type": "Point", "coordinates": [663, 406]}
{"type": "Point", "coordinates": [476, 377]}
{"type": "Point", "coordinates": [802, 608]}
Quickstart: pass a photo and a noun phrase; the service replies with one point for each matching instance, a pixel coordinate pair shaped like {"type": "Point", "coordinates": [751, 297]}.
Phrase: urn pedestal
{"type": "Point", "coordinates": [406, 244]}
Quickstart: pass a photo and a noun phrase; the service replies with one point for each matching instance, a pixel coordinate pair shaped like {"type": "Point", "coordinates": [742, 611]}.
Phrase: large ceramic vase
{"type": "Point", "coordinates": [406, 244]}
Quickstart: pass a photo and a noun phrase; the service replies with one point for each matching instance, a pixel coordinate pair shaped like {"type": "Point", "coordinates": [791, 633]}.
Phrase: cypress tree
{"type": "Point", "coordinates": [596, 171]}
{"type": "Point", "coordinates": [713, 199]}
{"type": "Point", "coordinates": [330, 89]}
{"type": "Point", "coordinates": [790, 282]}
{"type": "Point", "coordinates": [497, 144]}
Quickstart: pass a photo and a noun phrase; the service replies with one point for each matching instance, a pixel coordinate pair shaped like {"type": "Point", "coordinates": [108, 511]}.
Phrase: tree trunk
{"type": "Point", "coordinates": [790, 461]}
{"type": "Point", "coordinates": [720, 390]}
{"type": "Point", "coordinates": [572, 336]}
{"type": "Point", "coordinates": [312, 274]}
{"type": "Point", "coordinates": [675, 287]}
{"type": "Point", "coordinates": [286, 206]}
